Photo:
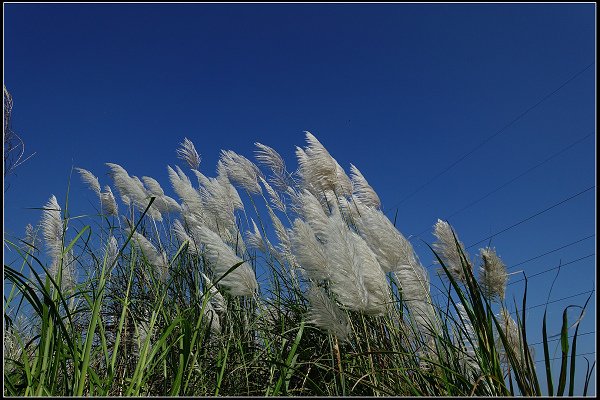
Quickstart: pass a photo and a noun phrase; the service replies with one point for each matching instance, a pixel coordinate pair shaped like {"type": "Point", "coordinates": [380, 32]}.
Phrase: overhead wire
{"type": "Point", "coordinates": [505, 127]}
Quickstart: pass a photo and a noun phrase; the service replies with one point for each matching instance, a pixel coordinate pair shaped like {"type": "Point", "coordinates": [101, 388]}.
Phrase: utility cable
{"type": "Point", "coordinates": [512, 122]}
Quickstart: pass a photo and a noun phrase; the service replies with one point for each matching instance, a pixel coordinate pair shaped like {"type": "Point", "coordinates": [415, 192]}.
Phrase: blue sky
{"type": "Point", "coordinates": [402, 91]}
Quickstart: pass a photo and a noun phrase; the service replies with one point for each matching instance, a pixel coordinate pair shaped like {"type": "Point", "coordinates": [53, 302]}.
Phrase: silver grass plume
{"type": "Point", "coordinates": [254, 238]}
{"type": "Point", "coordinates": [467, 341]}
{"type": "Point", "coordinates": [218, 205]}
{"type": "Point", "coordinates": [166, 205]}
{"type": "Point", "coordinates": [186, 192]}
{"type": "Point", "coordinates": [211, 316]}
{"type": "Point", "coordinates": [142, 333]}
{"type": "Point", "coordinates": [357, 279]}
{"type": "Point", "coordinates": [216, 298]}
{"type": "Point", "coordinates": [280, 231]}
{"type": "Point", "coordinates": [234, 196]}
{"type": "Point", "coordinates": [448, 251]}
{"type": "Point", "coordinates": [492, 274]}
{"type": "Point", "coordinates": [162, 202]}
{"type": "Point", "coordinates": [153, 186]}
{"type": "Point", "coordinates": [132, 189]}
{"type": "Point", "coordinates": [240, 170]}
{"type": "Point", "coordinates": [109, 204]}
{"type": "Point", "coordinates": [183, 236]}
{"type": "Point", "coordinates": [187, 152]}
{"type": "Point", "coordinates": [276, 200]}
{"type": "Point", "coordinates": [30, 240]}
{"type": "Point", "coordinates": [89, 179]}
{"type": "Point", "coordinates": [111, 251]}
{"type": "Point", "coordinates": [343, 182]}
{"type": "Point", "coordinates": [317, 168]}
{"type": "Point", "coordinates": [155, 257]}
{"type": "Point", "coordinates": [271, 158]}
{"type": "Point", "coordinates": [308, 251]}
{"type": "Point", "coordinates": [312, 212]}
{"type": "Point", "coordinates": [513, 337]}
{"type": "Point", "coordinates": [241, 281]}
{"type": "Point", "coordinates": [392, 249]}
{"type": "Point", "coordinates": [52, 227]}
{"type": "Point", "coordinates": [202, 179]}
{"type": "Point", "coordinates": [325, 314]}
{"type": "Point", "coordinates": [68, 278]}
{"type": "Point", "coordinates": [414, 283]}
{"type": "Point", "coordinates": [362, 190]}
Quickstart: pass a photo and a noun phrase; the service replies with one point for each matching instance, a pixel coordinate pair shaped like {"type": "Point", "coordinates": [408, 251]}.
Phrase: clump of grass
{"type": "Point", "coordinates": [254, 283]}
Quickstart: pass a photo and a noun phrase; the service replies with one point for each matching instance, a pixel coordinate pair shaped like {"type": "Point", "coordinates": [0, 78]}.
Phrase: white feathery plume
{"type": "Point", "coordinates": [446, 247]}
{"type": "Point", "coordinates": [109, 204]}
{"type": "Point", "coordinates": [307, 250]}
{"type": "Point", "coordinates": [414, 283]}
{"type": "Point", "coordinates": [183, 187]}
{"type": "Point", "coordinates": [132, 189]}
{"type": "Point", "coordinates": [282, 235]}
{"type": "Point", "coordinates": [151, 253]}
{"type": "Point", "coordinates": [276, 200]}
{"type": "Point", "coordinates": [241, 281]}
{"type": "Point", "coordinates": [343, 184]}
{"type": "Point", "coordinates": [202, 179]}
{"type": "Point", "coordinates": [362, 190]}
{"type": "Point", "coordinates": [389, 245]}
{"type": "Point", "coordinates": [166, 205]}
{"type": "Point", "coordinates": [217, 205]}
{"type": "Point", "coordinates": [187, 152]}
{"type": "Point", "coordinates": [466, 340]}
{"type": "Point", "coordinates": [513, 337]}
{"type": "Point", "coordinates": [111, 251]}
{"type": "Point", "coordinates": [142, 333]}
{"type": "Point", "coordinates": [52, 226]}
{"type": "Point", "coordinates": [68, 272]}
{"type": "Point", "coordinates": [325, 314]}
{"type": "Point", "coordinates": [312, 212]}
{"type": "Point", "coordinates": [89, 179]}
{"type": "Point", "coordinates": [374, 278]}
{"type": "Point", "coordinates": [240, 170]}
{"type": "Point", "coordinates": [317, 168]}
{"type": "Point", "coordinates": [30, 238]}
{"type": "Point", "coordinates": [153, 186]}
{"type": "Point", "coordinates": [254, 238]}
{"type": "Point", "coordinates": [271, 158]}
{"type": "Point", "coordinates": [492, 274]}
{"type": "Point", "coordinates": [347, 280]}
{"type": "Point", "coordinates": [216, 298]}
{"type": "Point", "coordinates": [183, 236]}
{"type": "Point", "coordinates": [211, 315]}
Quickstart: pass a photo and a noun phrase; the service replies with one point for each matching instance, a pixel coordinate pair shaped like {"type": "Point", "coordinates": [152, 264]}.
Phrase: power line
{"type": "Point", "coordinates": [553, 268]}
{"type": "Point", "coordinates": [576, 355]}
{"type": "Point", "coordinates": [533, 216]}
{"type": "Point", "coordinates": [570, 337]}
{"type": "Point", "coordinates": [512, 122]}
{"type": "Point", "coordinates": [551, 251]}
{"type": "Point", "coordinates": [514, 179]}
{"type": "Point", "coordinates": [553, 301]}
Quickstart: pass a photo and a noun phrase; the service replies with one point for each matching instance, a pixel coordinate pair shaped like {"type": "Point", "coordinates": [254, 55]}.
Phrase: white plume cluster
{"type": "Point", "coordinates": [492, 274]}
{"type": "Point", "coordinates": [450, 250]}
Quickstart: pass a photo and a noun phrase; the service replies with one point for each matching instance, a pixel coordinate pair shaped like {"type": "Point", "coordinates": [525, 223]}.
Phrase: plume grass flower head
{"type": "Point", "coordinates": [187, 152]}
{"type": "Point", "coordinates": [492, 274]}
{"type": "Point", "coordinates": [326, 314]}
{"type": "Point", "coordinates": [242, 171]}
{"type": "Point", "coordinates": [451, 250]}
{"type": "Point", "coordinates": [90, 179]}
{"type": "Point", "coordinates": [52, 227]}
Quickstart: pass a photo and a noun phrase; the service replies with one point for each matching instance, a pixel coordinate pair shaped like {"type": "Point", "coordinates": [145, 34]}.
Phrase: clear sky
{"type": "Point", "coordinates": [402, 91]}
